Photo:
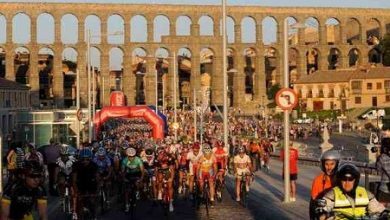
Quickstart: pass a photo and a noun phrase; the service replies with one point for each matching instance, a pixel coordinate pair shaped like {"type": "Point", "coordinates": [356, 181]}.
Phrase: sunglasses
{"type": "Point", "coordinates": [348, 179]}
{"type": "Point", "coordinates": [34, 176]}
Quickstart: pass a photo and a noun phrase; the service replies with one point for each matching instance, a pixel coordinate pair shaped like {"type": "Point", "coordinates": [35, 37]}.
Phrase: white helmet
{"type": "Point", "coordinates": [131, 152]}
{"type": "Point", "coordinates": [330, 155]}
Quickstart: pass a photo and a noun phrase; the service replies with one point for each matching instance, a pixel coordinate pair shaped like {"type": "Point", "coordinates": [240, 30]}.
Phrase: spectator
{"type": "Point", "coordinates": [51, 153]}
{"type": "Point", "coordinates": [383, 167]}
{"type": "Point", "coordinates": [293, 170]}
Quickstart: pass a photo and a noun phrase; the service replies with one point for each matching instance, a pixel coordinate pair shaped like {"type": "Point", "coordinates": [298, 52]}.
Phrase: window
{"type": "Point", "coordinates": [387, 84]}
{"type": "Point", "coordinates": [358, 100]}
{"type": "Point", "coordinates": [378, 86]}
{"type": "Point", "coordinates": [387, 98]}
{"type": "Point", "coordinates": [358, 85]}
{"type": "Point", "coordinates": [369, 86]}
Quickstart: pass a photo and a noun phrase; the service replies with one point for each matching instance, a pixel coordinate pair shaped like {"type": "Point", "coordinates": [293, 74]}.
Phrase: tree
{"type": "Point", "coordinates": [385, 48]}
{"type": "Point", "coordinates": [272, 91]}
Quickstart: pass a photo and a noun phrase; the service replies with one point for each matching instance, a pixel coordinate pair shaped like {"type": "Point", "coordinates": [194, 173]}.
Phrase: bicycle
{"type": "Point", "coordinates": [244, 191]}
{"type": "Point", "coordinates": [219, 185]}
{"type": "Point", "coordinates": [131, 185]}
{"type": "Point", "coordinates": [206, 195]}
{"type": "Point", "coordinates": [85, 207]}
{"type": "Point", "coordinates": [66, 205]}
{"type": "Point", "coordinates": [166, 199]}
{"type": "Point", "coordinates": [184, 184]}
{"type": "Point", "coordinates": [102, 193]}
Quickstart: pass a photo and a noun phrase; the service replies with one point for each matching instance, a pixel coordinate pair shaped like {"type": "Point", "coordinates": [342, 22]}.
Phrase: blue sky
{"type": "Point", "coordinates": [310, 3]}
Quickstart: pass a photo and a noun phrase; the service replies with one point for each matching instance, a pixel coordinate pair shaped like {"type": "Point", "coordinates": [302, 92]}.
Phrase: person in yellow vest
{"type": "Point", "coordinates": [348, 200]}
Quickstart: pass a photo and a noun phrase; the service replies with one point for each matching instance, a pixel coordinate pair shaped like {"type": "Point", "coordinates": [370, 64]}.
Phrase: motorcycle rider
{"type": "Point", "coordinates": [347, 199]}
{"type": "Point", "coordinates": [326, 180]}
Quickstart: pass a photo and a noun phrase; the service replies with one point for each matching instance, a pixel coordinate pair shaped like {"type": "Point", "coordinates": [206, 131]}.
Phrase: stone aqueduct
{"type": "Point", "coordinates": [345, 39]}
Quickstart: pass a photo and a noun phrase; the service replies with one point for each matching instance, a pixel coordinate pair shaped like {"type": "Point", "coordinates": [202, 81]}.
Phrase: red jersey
{"type": "Point", "coordinates": [220, 154]}
{"type": "Point", "coordinates": [293, 160]}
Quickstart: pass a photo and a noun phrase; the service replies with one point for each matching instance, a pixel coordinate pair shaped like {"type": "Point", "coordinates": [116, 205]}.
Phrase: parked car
{"type": "Point", "coordinates": [374, 114]}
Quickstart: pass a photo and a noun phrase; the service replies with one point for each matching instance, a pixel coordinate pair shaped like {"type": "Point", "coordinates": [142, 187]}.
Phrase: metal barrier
{"type": "Point", "coordinates": [365, 168]}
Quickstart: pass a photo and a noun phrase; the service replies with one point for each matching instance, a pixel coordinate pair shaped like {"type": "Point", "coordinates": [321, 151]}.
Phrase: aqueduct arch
{"type": "Point", "coordinates": [344, 29]}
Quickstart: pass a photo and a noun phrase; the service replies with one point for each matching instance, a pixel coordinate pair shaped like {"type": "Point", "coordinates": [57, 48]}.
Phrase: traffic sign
{"type": "Point", "coordinates": [286, 99]}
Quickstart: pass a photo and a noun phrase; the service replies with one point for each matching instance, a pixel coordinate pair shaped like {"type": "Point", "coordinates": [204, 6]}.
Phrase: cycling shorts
{"type": "Point", "coordinates": [193, 169]}
{"type": "Point", "coordinates": [206, 175]}
{"type": "Point", "coordinates": [131, 177]}
{"type": "Point", "coordinates": [241, 172]}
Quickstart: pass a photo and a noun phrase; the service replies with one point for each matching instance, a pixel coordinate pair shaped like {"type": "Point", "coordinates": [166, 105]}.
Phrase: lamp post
{"type": "Point", "coordinates": [286, 121]}
{"type": "Point", "coordinates": [92, 89]}
{"type": "Point", "coordinates": [225, 77]}
{"type": "Point", "coordinates": [78, 107]}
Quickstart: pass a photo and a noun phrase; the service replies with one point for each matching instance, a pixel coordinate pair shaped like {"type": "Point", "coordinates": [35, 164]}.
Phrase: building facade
{"type": "Point", "coordinates": [14, 97]}
{"type": "Point", "coordinates": [344, 89]}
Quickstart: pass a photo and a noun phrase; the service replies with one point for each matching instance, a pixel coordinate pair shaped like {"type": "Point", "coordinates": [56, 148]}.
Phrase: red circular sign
{"type": "Point", "coordinates": [286, 99]}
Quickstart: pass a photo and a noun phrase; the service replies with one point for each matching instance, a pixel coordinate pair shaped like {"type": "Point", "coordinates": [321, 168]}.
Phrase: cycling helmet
{"type": "Point", "coordinates": [32, 167]}
{"type": "Point", "coordinates": [206, 148]}
{"type": "Point", "coordinates": [348, 170]}
{"type": "Point", "coordinates": [330, 155]}
{"type": "Point", "coordinates": [85, 153]}
{"type": "Point", "coordinates": [196, 146]}
{"type": "Point", "coordinates": [131, 152]}
{"type": "Point", "coordinates": [64, 150]}
{"type": "Point", "coordinates": [101, 152]}
{"type": "Point", "coordinates": [241, 149]}
{"type": "Point", "coordinates": [149, 152]}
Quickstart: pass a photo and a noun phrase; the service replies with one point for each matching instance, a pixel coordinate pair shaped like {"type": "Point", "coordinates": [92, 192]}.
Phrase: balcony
{"type": "Point", "coordinates": [356, 91]}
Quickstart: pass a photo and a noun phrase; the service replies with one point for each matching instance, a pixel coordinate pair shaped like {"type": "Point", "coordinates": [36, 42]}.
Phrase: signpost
{"type": "Point", "coordinates": [286, 99]}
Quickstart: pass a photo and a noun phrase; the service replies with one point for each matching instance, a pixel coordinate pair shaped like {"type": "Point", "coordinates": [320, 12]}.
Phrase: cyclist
{"type": "Point", "coordinates": [221, 155]}
{"type": "Point", "coordinates": [349, 200]}
{"type": "Point", "coordinates": [165, 170]}
{"type": "Point", "coordinates": [242, 166]}
{"type": "Point", "coordinates": [33, 154]}
{"type": "Point", "coordinates": [193, 157]}
{"type": "Point", "coordinates": [132, 171]}
{"type": "Point", "coordinates": [149, 159]}
{"type": "Point", "coordinates": [255, 154]}
{"type": "Point", "coordinates": [85, 175]}
{"type": "Point", "coordinates": [182, 165]}
{"type": "Point", "coordinates": [63, 172]}
{"type": "Point", "coordinates": [326, 180]}
{"type": "Point", "coordinates": [21, 198]}
{"type": "Point", "coordinates": [207, 170]}
{"type": "Point", "coordinates": [104, 165]}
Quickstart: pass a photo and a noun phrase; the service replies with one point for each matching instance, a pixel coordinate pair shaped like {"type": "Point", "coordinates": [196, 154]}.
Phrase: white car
{"type": "Point", "coordinates": [374, 114]}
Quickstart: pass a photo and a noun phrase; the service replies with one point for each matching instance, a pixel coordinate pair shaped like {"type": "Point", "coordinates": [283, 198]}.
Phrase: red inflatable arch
{"type": "Point", "coordinates": [130, 112]}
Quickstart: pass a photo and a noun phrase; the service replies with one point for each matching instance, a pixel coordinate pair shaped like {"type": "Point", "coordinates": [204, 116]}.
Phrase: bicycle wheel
{"type": "Point", "coordinates": [67, 210]}
{"type": "Point", "coordinates": [102, 201]}
{"type": "Point", "coordinates": [218, 189]}
{"type": "Point", "coordinates": [133, 199]}
{"type": "Point", "coordinates": [243, 194]}
{"type": "Point", "coordinates": [206, 197]}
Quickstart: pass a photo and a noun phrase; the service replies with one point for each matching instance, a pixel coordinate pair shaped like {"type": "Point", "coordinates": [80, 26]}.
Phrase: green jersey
{"type": "Point", "coordinates": [133, 166]}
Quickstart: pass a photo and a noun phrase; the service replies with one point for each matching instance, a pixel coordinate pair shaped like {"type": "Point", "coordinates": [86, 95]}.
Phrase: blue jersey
{"type": "Point", "coordinates": [102, 165]}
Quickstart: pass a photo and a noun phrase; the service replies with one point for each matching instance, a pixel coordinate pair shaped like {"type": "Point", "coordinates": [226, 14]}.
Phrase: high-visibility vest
{"type": "Point", "coordinates": [343, 206]}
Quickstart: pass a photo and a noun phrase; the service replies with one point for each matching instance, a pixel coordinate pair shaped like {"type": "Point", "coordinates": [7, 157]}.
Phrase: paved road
{"type": "Point", "coordinates": [265, 201]}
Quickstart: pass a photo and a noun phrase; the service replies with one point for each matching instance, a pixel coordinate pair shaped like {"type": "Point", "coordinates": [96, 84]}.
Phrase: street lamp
{"type": "Point", "coordinates": [91, 89]}
{"type": "Point", "coordinates": [225, 77]}
{"type": "Point", "coordinates": [286, 125]}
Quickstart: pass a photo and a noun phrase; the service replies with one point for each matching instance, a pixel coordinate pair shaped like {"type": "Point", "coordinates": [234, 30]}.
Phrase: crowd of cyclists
{"type": "Point", "coordinates": [128, 165]}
